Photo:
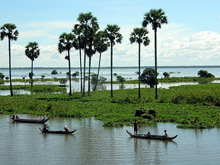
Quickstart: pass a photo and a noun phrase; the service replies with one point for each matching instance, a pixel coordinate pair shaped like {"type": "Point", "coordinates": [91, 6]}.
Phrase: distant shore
{"type": "Point", "coordinates": [191, 66]}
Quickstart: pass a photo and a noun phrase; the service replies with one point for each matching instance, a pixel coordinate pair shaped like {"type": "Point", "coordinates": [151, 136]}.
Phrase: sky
{"type": "Point", "coordinates": [191, 37]}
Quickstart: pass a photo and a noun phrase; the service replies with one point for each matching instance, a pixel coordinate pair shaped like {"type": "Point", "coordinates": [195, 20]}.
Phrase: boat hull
{"type": "Point", "coordinates": [156, 137]}
{"type": "Point", "coordinates": [31, 121]}
{"type": "Point", "coordinates": [58, 132]}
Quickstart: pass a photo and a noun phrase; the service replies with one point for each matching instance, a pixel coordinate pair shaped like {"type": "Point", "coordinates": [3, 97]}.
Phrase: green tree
{"type": "Point", "coordinates": [75, 74]}
{"type": "Point", "coordinates": [205, 73]}
{"type": "Point", "coordinates": [9, 30]}
{"type": "Point", "coordinates": [86, 21]}
{"type": "Point", "coordinates": [166, 75]}
{"type": "Point", "coordinates": [112, 33]}
{"type": "Point", "coordinates": [66, 42]}
{"type": "Point", "coordinates": [101, 45]}
{"type": "Point", "coordinates": [139, 35]}
{"type": "Point", "coordinates": [32, 51]}
{"type": "Point", "coordinates": [2, 76]}
{"type": "Point", "coordinates": [148, 77]}
{"type": "Point", "coordinates": [155, 18]}
{"type": "Point", "coordinates": [121, 79]}
{"type": "Point", "coordinates": [54, 71]}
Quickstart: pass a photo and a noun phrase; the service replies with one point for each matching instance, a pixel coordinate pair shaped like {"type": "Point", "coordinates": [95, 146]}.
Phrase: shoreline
{"type": "Point", "coordinates": [120, 67]}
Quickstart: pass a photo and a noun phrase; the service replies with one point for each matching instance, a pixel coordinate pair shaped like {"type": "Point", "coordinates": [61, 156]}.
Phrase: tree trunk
{"type": "Point", "coordinates": [139, 71]}
{"type": "Point", "coordinates": [80, 59]}
{"type": "Point", "coordinates": [9, 52]}
{"type": "Point", "coordinates": [111, 69]}
{"type": "Point", "coordinates": [70, 92]}
{"type": "Point", "coordinates": [32, 65]}
{"type": "Point", "coordinates": [100, 56]}
{"type": "Point", "coordinates": [84, 74]}
{"type": "Point", "coordinates": [155, 74]}
{"type": "Point", "coordinates": [90, 58]}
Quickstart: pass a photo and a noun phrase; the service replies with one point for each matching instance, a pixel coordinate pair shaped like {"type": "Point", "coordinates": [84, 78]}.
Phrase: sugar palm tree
{"type": "Point", "coordinates": [32, 51]}
{"type": "Point", "coordinates": [139, 35]}
{"type": "Point", "coordinates": [155, 18]}
{"type": "Point", "coordinates": [9, 30]}
{"type": "Point", "coordinates": [86, 21]}
{"type": "Point", "coordinates": [77, 31]}
{"type": "Point", "coordinates": [66, 42]}
{"type": "Point", "coordinates": [112, 33]}
{"type": "Point", "coordinates": [101, 45]}
{"type": "Point", "coordinates": [91, 50]}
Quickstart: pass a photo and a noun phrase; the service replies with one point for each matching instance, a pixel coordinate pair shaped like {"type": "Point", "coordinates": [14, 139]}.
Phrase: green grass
{"type": "Point", "coordinates": [36, 88]}
{"type": "Point", "coordinates": [190, 106]}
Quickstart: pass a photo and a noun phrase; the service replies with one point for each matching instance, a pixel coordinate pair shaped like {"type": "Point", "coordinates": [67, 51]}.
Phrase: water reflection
{"type": "Point", "coordinates": [23, 143]}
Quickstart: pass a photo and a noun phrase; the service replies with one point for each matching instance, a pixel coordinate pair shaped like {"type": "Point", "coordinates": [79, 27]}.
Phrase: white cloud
{"type": "Point", "coordinates": [51, 25]}
{"type": "Point", "coordinates": [176, 46]}
{"type": "Point", "coordinates": [32, 34]}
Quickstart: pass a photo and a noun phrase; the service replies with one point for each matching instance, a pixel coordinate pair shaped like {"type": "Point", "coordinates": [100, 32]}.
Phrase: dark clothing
{"type": "Point", "coordinates": [135, 127]}
{"type": "Point", "coordinates": [45, 128]}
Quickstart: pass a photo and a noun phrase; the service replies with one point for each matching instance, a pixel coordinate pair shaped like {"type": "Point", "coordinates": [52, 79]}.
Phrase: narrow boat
{"type": "Point", "coordinates": [30, 120]}
{"type": "Point", "coordinates": [58, 132]}
{"type": "Point", "coordinates": [146, 136]}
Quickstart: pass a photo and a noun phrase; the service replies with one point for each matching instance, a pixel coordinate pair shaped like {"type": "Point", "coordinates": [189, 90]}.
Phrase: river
{"type": "Point", "coordinates": [93, 144]}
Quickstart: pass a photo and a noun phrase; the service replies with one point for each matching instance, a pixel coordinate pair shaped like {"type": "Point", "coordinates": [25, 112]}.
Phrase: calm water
{"type": "Point", "coordinates": [93, 144]}
{"type": "Point", "coordinates": [128, 73]}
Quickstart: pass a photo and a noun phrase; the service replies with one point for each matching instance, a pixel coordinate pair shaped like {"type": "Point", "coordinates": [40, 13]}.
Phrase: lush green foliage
{"type": "Point", "coordinates": [205, 73]}
{"type": "Point", "coordinates": [2, 76]}
{"type": "Point", "coordinates": [191, 106]}
{"type": "Point", "coordinates": [165, 74]}
{"type": "Point", "coordinates": [148, 77]}
{"type": "Point", "coordinates": [54, 71]}
{"type": "Point", "coordinates": [36, 88]}
{"type": "Point", "coordinates": [121, 79]}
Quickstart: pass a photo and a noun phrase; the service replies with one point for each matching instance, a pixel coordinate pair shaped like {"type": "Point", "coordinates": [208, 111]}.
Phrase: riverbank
{"type": "Point", "coordinates": [128, 81]}
{"type": "Point", "coordinates": [191, 106]}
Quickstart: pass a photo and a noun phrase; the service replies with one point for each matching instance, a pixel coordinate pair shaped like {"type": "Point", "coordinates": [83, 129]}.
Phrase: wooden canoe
{"type": "Point", "coordinates": [41, 121]}
{"type": "Point", "coordinates": [145, 136]}
{"type": "Point", "coordinates": [58, 132]}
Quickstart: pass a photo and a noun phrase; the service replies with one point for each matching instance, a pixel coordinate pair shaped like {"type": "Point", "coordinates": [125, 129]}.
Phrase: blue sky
{"type": "Point", "coordinates": [192, 36]}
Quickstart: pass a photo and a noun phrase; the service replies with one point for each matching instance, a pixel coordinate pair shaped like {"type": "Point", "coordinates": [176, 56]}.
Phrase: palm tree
{"type": "Point", "coordinates": [8, 30]}
{"type": "Point", "coordinates": [112, 33]}
{"type": "Point", "coordinates": [86, 21]}
{"type": "Point", "coordinates": [32, 51]}
{"type": "Point", "coordinates": [139, 35]}
{"type": "Point", "coordinates": [91, 50]}
{"type": "Point", "coordinates": [66, 42]}
{"type": "Point", "coordinates": [155, 18]}
{"type": "Point", "coordinates": [79, 41]}
{"type": "Point", "coordinates": [101, 45]}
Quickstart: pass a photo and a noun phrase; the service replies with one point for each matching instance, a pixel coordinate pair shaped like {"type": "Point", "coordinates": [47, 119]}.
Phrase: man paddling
{"type": "Point", "coordinates": [135, 127]}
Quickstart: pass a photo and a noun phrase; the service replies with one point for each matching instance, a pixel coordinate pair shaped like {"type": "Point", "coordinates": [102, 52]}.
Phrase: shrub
{"type": "Point", "coordinates": [54, 72]}
{"type": "Point", "coordinates": [2, 76]}
{"type": "Point", "coordinates": [204, 73]}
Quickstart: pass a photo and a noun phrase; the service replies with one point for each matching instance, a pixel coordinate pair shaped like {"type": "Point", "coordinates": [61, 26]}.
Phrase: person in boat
{"type": "Point", "coordinates": [45, 128]}
{"type": "Point", "coordinates": [135, 127]}
{"type": "Point", "coordinates": [165, 133]}
{"type": "Point", "coordinates": [17, 117]}
{"type": "Point", "coordinates": [44, 117]}
{"type": "Point", "coordinates": [66, 128]}
{"type": "Point", "coordinates": [13, 117]}
{"type": "Point", "coordinates": [148, 134]}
